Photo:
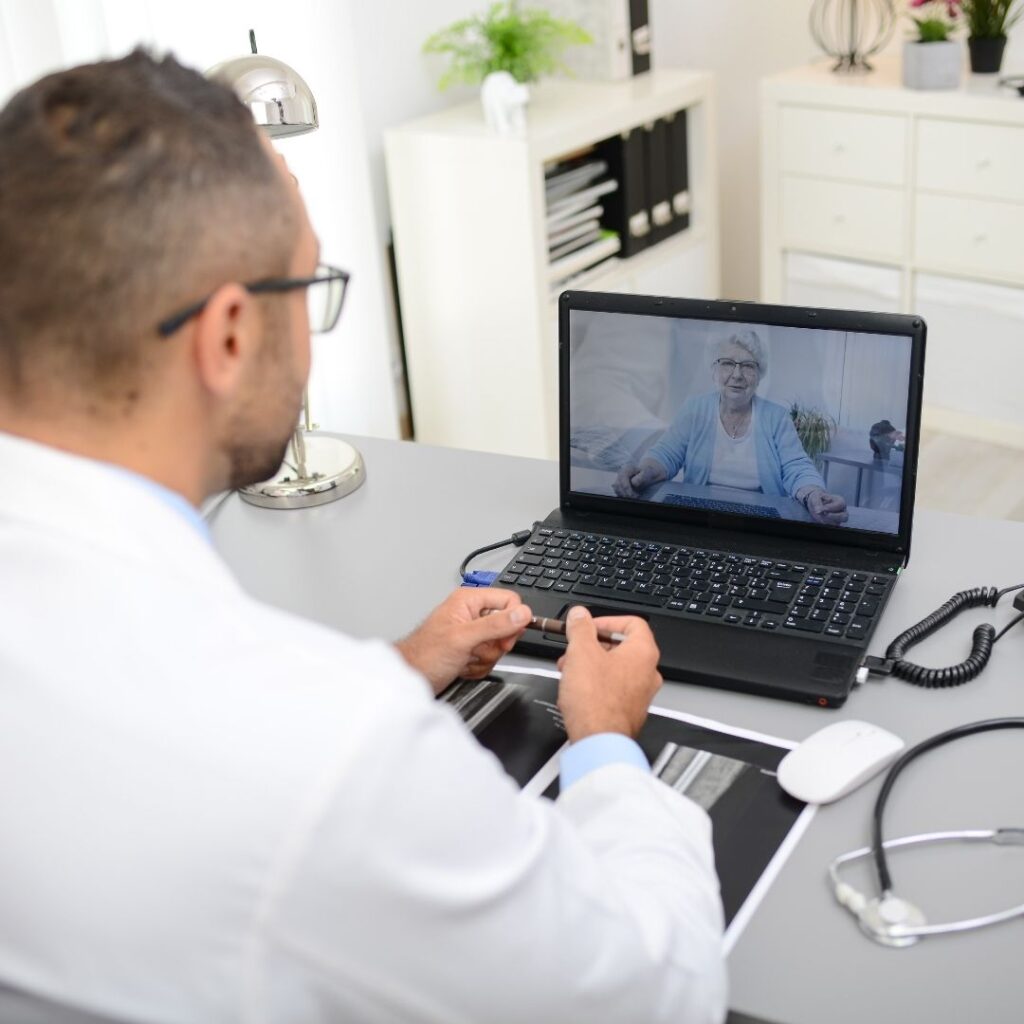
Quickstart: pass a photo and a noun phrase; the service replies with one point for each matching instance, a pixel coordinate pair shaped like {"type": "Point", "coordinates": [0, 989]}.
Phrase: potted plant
{"type": "Point", "coordinates": [525, 42]}
{"type": "Point", "coordinates": [933, 59]}
{"type": "Point", "coordinates": [988, 22]}
{"type": "Point", "coordinates": [814, 428]}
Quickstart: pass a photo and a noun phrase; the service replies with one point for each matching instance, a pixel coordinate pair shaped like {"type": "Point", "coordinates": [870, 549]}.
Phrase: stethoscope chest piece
{"type": "Point", "coordinates": [891, 921]}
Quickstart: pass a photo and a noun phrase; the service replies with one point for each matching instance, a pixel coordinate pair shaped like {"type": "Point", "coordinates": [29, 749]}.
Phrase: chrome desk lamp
{"type": "Point", "coordinates": [317, 468]}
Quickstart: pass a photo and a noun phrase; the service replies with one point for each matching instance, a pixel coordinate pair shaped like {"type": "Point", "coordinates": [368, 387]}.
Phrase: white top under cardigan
{"type": "Point", "coordinates": [215, 811]}
{"type": "Point", "coordinates": [734, 463]}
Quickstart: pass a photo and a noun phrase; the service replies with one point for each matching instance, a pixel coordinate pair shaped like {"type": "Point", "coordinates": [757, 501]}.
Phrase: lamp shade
{"type": "Point", "coordinates": [281, 102]}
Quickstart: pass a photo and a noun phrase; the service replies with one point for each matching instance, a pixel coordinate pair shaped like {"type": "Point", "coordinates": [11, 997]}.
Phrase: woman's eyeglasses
{"type": "Point", "coordinates": [325, 295]}
{"type": "Point", "coordinates": [748, 368]}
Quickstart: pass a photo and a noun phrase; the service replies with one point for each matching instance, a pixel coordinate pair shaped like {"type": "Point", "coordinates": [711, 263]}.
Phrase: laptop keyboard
{"type": "Point", "coordinates": [746, 591]}
{"type": "Point", "coordinates": [710, 505]}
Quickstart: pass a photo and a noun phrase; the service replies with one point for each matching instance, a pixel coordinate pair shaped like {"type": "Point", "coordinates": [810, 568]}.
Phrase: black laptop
{"type": "Point", "coordinates": [740, 475]}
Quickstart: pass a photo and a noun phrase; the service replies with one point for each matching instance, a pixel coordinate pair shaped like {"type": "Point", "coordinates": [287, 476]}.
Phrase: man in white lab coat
{"type": "Point", "coordinates": [211, 810]}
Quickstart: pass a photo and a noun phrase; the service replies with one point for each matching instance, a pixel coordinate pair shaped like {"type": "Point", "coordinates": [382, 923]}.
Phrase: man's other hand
{"type": "Point", "coordinates": [827, 508]}
{"type": "Point", "coordinates": [607, 688]}
{"type": "Point", "coordinates": [458, 639]}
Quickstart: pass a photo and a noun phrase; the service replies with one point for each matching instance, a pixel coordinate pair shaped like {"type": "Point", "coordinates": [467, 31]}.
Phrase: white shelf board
{"type": "Point", "coordinates": [563, 116]}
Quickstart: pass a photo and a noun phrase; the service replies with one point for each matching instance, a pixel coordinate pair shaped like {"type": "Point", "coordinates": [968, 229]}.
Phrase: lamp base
{"type": "Point", "coordinates": [327, 469]}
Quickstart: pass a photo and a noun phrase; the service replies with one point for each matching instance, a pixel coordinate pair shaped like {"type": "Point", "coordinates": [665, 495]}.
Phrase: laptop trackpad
{"type": "Point", "coordinates": [713, 654]}
{"type": "Point", "coordinates": [597, 610]}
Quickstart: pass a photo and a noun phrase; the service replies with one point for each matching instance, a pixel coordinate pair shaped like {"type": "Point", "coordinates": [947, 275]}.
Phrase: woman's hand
{"type": "Point", "coordinates": [826, 508]}
{"type": "Point", "coordinates": [634, 478]}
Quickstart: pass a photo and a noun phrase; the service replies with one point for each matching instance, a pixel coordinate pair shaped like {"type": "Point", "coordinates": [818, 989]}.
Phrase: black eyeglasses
{"type": "Point", "coordinates": [324, 303]}
{"type": "Point", "coordinates": [748, 367]}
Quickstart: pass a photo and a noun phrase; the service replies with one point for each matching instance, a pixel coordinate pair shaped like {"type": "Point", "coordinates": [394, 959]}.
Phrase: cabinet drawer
{"type": "Point", "coordinates": [975, 360]}
{"type": "Point", "coordinates": [840, 283]}
{"type": "Point", "coordinates": [844, 144]}
{"type": "Point", "coordinates": [855, 220]}
{"type": "Point", "coordinates": [970, 236]}
{"type": "Point", "coordinates": [982, 160]}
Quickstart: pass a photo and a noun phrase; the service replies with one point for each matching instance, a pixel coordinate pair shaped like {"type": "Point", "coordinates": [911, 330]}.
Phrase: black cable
{"type": "Point", "coordinates": [519, 538]}
{"type": "Point", "coordinates": [877, 848]}
{"type": "Point", "coordinates": [1006, 628]}
{"type": "Point", "coordinates": [984, 636]}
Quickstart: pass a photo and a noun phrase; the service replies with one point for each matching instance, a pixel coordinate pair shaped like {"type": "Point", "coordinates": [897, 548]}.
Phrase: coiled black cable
{"type": "Point", "coordinates": [982, 641]}
{"type": "Point", "coordinates": [953, 675]}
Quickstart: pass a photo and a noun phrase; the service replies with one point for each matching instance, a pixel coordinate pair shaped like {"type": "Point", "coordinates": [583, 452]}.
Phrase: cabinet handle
{"type": "Point", "coordinates": [980, 238]}
{"type": "Point", "coordinates": [839, 218]}
{"type": "Point", "coordinates": [983, 164]}
{"type": "Point", "coordinates": [839, 149]}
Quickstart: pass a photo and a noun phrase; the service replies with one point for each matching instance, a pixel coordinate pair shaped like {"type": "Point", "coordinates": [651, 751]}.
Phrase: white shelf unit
{"type": "Point", "coordinates": [880, 197]}
{"type": "Point", "coordinates": [468, 214]}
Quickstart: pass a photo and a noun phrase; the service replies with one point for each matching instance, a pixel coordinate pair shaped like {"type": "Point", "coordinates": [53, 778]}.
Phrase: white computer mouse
{"type": "Point", "coordinates": [836, 760]}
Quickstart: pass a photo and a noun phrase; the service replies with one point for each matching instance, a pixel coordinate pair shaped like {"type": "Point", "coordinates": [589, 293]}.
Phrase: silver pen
{"type": "Point", "coordinates": [558, 626]}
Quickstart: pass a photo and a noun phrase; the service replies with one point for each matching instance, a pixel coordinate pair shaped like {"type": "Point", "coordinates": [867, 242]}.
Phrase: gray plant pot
{"type": "Point", "coordinates": [932, 65]}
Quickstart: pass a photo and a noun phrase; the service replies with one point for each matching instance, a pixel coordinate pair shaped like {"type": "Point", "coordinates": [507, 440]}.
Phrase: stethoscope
{"type": "Point", "coordinates": [888, 918]}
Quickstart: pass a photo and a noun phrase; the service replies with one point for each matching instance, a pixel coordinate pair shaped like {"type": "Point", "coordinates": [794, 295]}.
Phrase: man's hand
{"type": "Point", "coordinates": [636, 477]}
{"type": "Point", "coordinates": [826, 508]}
{"type": "Point", "coordinates": [458, 640]}
{"type": "Point", "coordinates": [605, 688]}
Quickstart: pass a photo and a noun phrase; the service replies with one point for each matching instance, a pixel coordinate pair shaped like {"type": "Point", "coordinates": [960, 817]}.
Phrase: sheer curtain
{"type": "Point", "coordinates": [352, 383]}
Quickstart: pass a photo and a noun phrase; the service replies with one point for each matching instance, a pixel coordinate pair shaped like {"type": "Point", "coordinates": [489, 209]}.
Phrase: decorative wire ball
{"type": "Point", "coordinates": [852, 30]}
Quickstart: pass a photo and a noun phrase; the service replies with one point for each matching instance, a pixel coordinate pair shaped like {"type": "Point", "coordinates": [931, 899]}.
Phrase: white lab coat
{"type": "Point", "coordinates": [213, 811]}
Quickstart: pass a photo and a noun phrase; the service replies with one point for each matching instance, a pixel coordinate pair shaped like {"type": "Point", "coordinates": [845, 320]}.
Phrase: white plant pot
{"type": "Point", "coordinates": [932, 65]}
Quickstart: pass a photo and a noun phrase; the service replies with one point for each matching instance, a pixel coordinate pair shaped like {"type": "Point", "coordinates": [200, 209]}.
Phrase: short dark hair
{"type": "Point", "coordinates": [128, 189]}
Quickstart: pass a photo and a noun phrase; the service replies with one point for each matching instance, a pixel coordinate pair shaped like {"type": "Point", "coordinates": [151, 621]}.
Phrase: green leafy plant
{"type": "Point", "coordinates": [935, 19]}
{"type": "Point", "coordinates": [991, 19]}
{"type": "Point", "coordinates": [814, 428]}
{"type": "Point", "coordinates": [526, 42]}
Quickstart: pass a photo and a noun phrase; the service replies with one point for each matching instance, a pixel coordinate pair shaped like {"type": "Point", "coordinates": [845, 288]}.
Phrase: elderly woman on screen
{"type": "Point", "coordinates": [731, 437]}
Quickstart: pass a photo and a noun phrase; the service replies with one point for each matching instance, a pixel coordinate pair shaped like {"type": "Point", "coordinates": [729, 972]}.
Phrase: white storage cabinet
{"type": "Point", "coordinates": [468, 214]}
{"type": "Point", "coordinates": [885, 198]}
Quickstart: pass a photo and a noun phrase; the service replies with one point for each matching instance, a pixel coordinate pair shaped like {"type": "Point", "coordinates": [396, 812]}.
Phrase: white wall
{"type": "Point", "coordinates": [397, 81]}
{"type": "Point", "coordinates": [351, 388]}
{"type": "Point", "coordinates": [741, 42]}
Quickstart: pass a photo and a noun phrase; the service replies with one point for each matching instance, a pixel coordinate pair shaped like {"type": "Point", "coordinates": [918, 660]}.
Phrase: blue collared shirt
{"type": "Point", "coordinates": [595, 752]}
{"type": "Point", "coordinates": [170, 498]}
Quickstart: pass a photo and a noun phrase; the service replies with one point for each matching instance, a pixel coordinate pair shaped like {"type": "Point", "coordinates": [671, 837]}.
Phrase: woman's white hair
{"type": "Point", "coordinates": [748, 339]}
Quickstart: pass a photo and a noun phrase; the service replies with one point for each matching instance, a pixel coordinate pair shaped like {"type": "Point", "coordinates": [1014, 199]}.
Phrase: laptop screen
{"type": "Point", "coordinates": [789, 423]}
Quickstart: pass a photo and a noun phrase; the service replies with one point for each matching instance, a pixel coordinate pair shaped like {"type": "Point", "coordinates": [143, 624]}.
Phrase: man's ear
{"type": "Point", "coordinates": [225, 339]}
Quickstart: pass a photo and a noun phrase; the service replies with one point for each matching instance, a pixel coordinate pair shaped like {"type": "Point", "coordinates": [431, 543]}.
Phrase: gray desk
{"type": "Point", "coordinates": [375, 562]}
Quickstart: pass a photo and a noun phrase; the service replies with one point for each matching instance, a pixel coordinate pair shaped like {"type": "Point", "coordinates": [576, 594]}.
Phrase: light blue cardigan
{"type": "Point", "coordinates": [782, 464]}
